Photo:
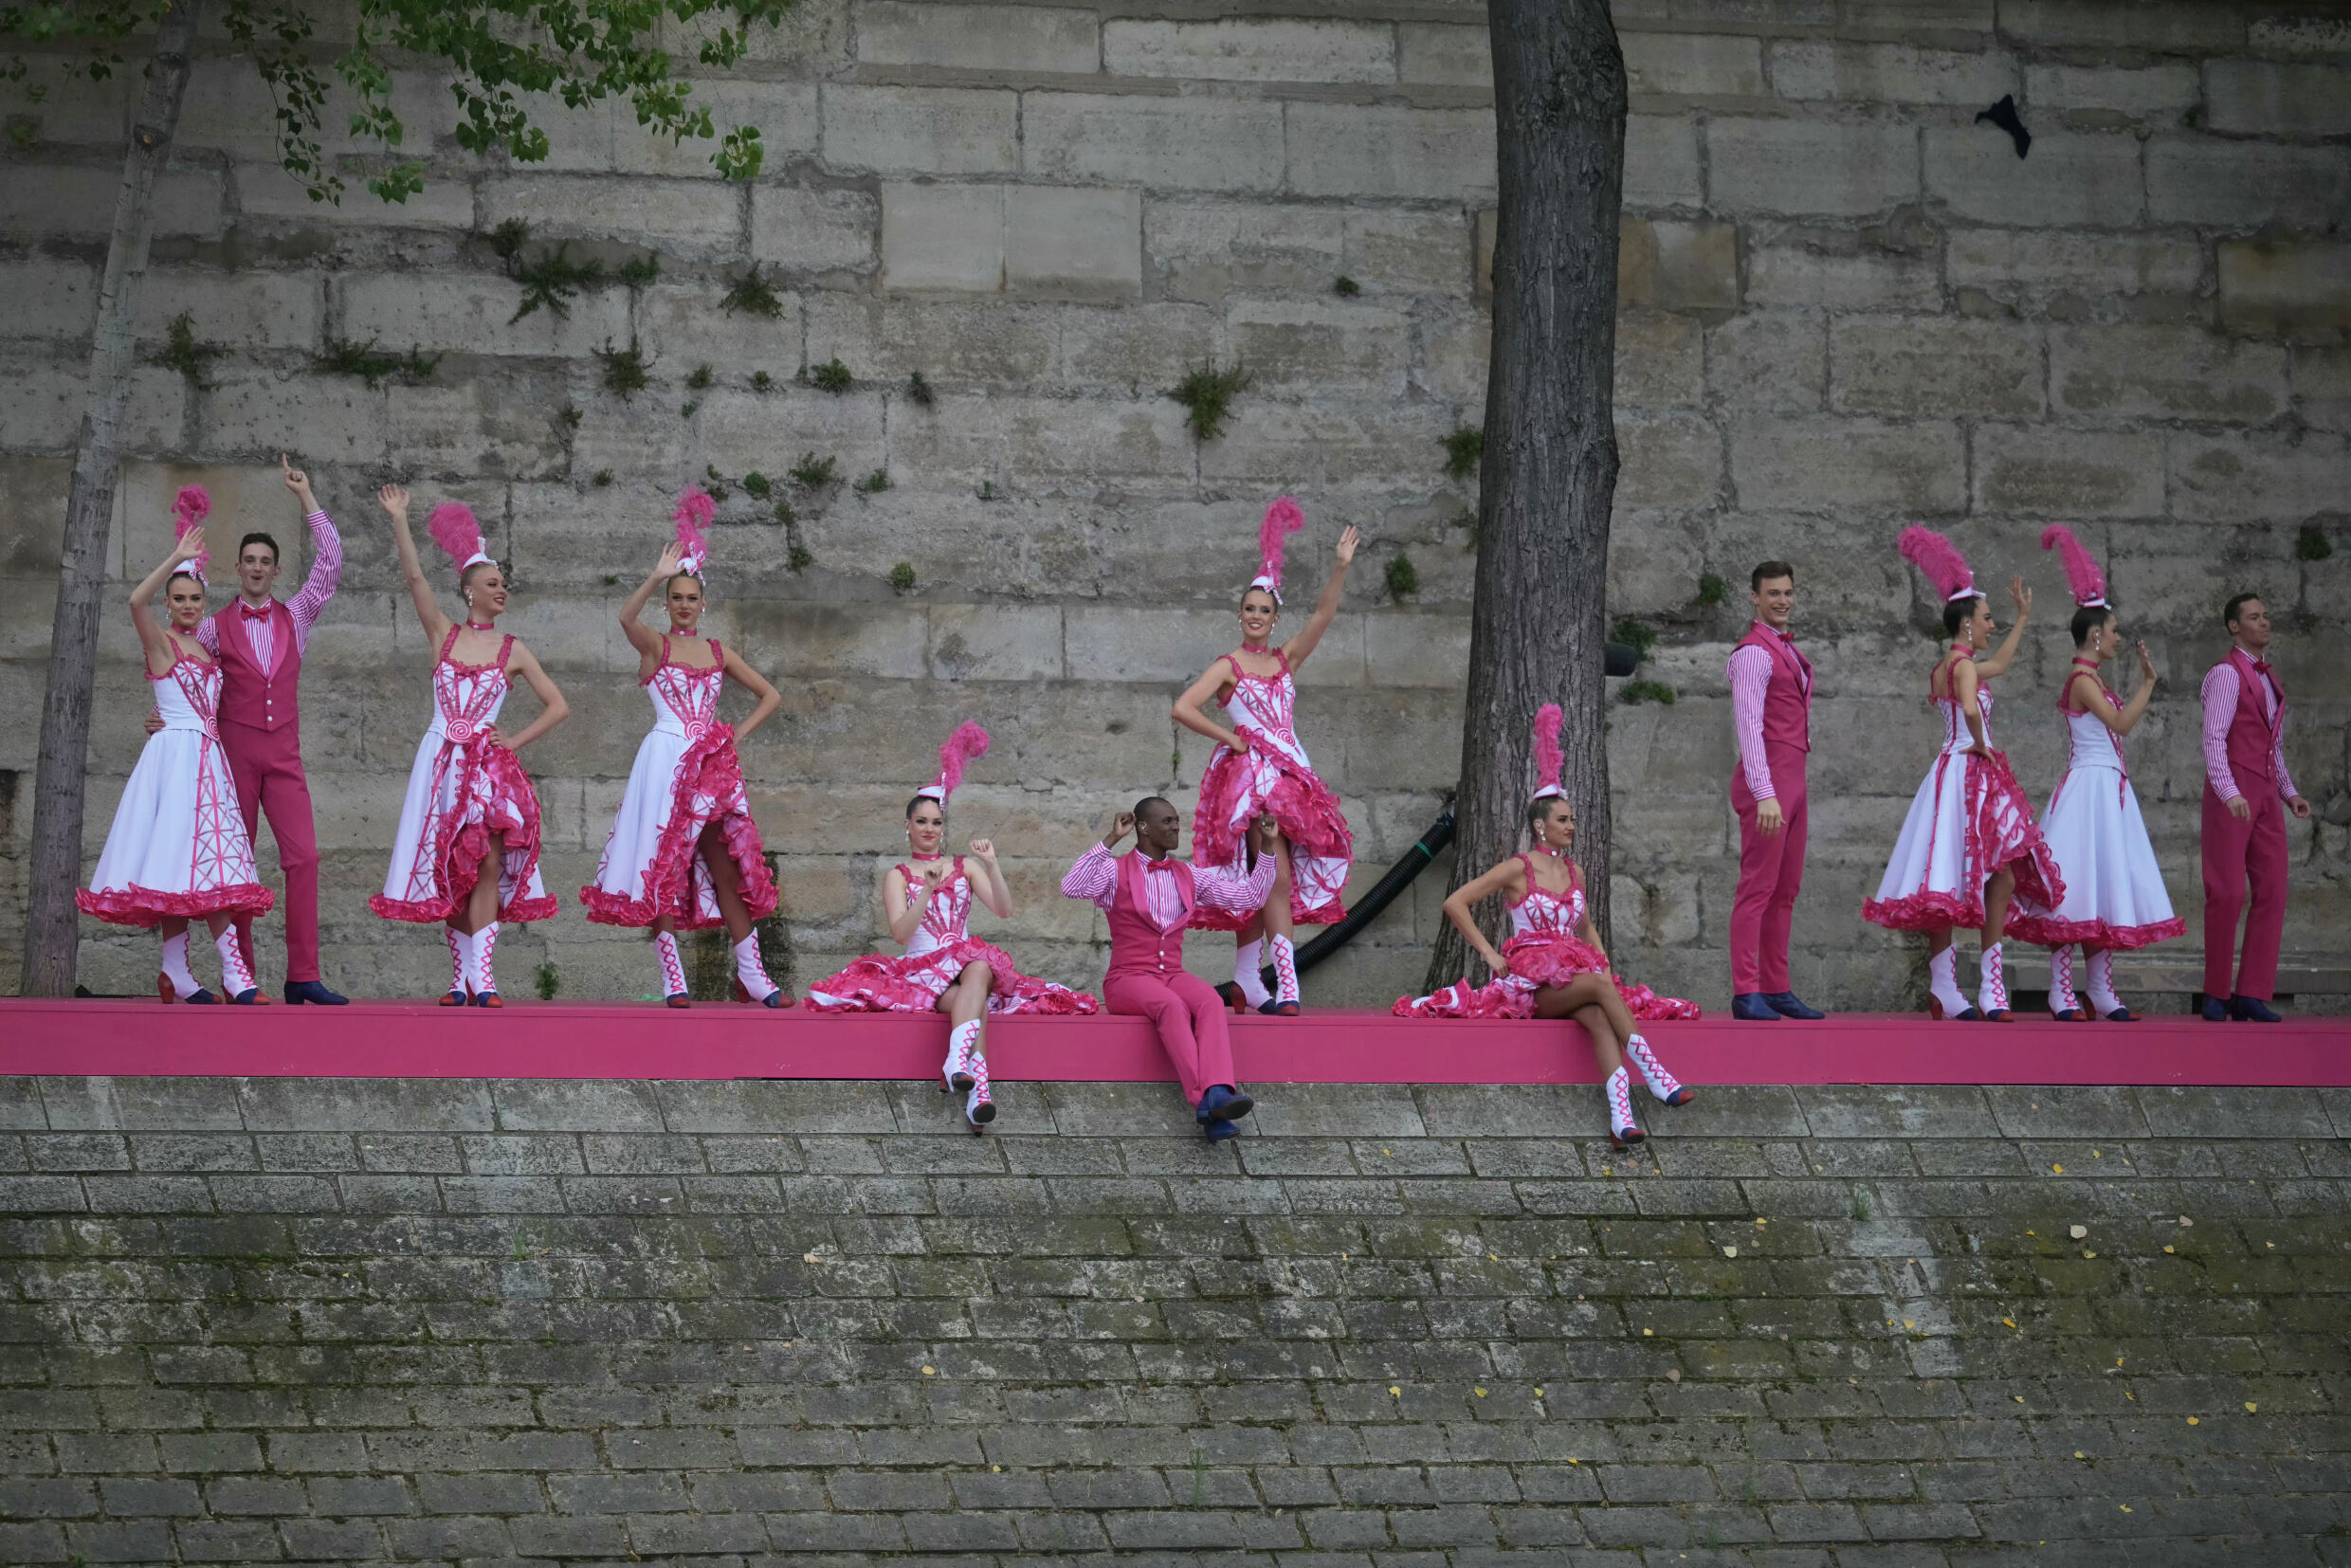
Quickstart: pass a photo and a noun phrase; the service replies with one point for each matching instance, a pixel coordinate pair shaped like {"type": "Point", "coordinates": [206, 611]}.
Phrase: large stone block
{"type": "Point", "coordinates": [41, 201]}
{"type": "Point", "coordinates": [1841, 275]}
{"type": "Point", "coordinates": [1135, 346]}
{"type": "Point", "coordinates": [505, 426]}
{"type": "Point", "coordinates": [257, 413]}
{"type": "Point", "coordinates": [2033, 470]}
{"type": "Point", "coordinates": [2297, 291]}
{"type": "Point", "coordinates": [1904, 365]}
{"type": "Point", "coordinates": [1676, 265]}
{"type": "Point", "coordinates": [48, 298]}
{"type": "Point", "coordinates": [2158, 372]}
{"type": "Point", "coordinates": [2068, 180]}
{"type": "Point", "coordinates": [1669, 460]}
{"type": "Point", "coordinates": [689, 217]}
{"type": "Point", "coordinates": [1338, 345]}
{"type": "Point", "coordinates": [1441, 55]}
{"type": "Point", "coordinates": [266, 191]}
{"type": "Point", "coordinates": [996, 641]}
{"type": "Point", "coordinates": [1801, 166]}
{"type": "Point", "coordinates": [42, 399]}
{"type": "Point", "coordinates": [1201, 249]}
{"type": "Point", "coordinates": [1329, 444]}
{"type": "Point", "coordinates": [2323, 387]}
{"type": "Point", "coordinates": [1455, 349]}
{"type": "Point", "coordinates": [1660, 359]}
{"type": "Point", "coordinates": [989, 343]}
{"type": "Point", "coordinates": [823, 230]}
{"type": "Point", "coordinates": [255, 309]}
{"type": "Point", "coordinates": [2165, 29]}
{"type": "Point", "coordinates": [1814, 465]}
{"type": "Point", "coordinates": [1776, 360]}
{"type": "Point", "coordinates": [2256, 476]}
{"type": "Point", "coordinates": [2246, 184]}
{"type": "Point", "coordinates": [2107, 96]}
{"type": "Point", "coordinates": [1407, 250]}
{"type": "Point", "coordinates": [472, 314]}
{"type": "Point", "coordinates": [2267, 98]}
{"type": "Point", "coordinates": [1888, 73]}
{"type": "Point", "coordinates": [1251, 49]}
{"type": "Point", "coordinates": [2027, 266]}
{"type": "Point", "coordinates": [1073, 245]}
{"type": "Point", "coordinates": [944, 237]}
{"type": "Point", "coordinates": [920, 130]}
{"type": "Point", "coordinates": [1158, 143]}
{"type": "Point", "coordinates": [688, 325]}
{"type": "Point", "coordinates": [1661, 162]}
{"type": "Point", "coordinates": [81, 112]}
{"type": "Point", "coordinates": [1348, 150]}
{"type": "Point", "coordinates": [747, 431]}
{"type": "Point", "coordinates": [1692, 64]}
{"type": "Point", "coordinates": [1013, 39]}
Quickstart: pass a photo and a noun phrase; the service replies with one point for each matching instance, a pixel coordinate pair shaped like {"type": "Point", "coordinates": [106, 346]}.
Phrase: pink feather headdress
{"type": "Point", "coordinates": [695, 510]}
{"type": "Point", "coordinates": [2083, 573]}
{"type": "Point", "coordinates": [453, 528]}
{"type": "Point", "coordinates": [188, 509]}
{"type": "Point", "coordinates": [1283, 519]}
{"type": "Point", "coordinates": [1941, 560]}
{"type": "Point", "coordinates": [1550, 761]}
{"type": "Point", "coordinates": [969, 741]}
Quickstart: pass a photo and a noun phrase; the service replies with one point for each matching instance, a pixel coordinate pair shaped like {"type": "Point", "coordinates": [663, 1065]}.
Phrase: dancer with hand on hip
{"type": "Point", "coordinates": [2247, 793]}
{"type": "Point", "coordinates": [683, 853]}
{"type": "Point", "coordinates": [177, 849]}
{"type": "Point", "coordinates": [466, 852]}
{"type": "Point", "coordinates": [1772, 715]}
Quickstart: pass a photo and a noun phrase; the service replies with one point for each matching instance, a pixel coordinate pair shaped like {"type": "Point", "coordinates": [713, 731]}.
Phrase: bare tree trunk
{"type": "Point", "coordinates": [1549, 477]}
{"type": "Point", "coordinates": [52, 924]}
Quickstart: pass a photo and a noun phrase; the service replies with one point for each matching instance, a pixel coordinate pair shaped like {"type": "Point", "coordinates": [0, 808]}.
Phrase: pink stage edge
{"type": "Point", "coordinates": [718, 1040]}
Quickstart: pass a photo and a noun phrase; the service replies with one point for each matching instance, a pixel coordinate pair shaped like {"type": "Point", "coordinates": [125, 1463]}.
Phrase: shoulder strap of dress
{"type": "Point", "coordinates": [506, 645]}
{"type": "Point", "coordinates": [665, 659]}
{"type": "Point", "coordinates": [450, 641]}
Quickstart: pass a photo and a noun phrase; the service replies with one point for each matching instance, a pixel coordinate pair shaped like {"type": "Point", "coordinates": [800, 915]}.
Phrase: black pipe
{"type": "Point", "coordinates": [1382, 894]}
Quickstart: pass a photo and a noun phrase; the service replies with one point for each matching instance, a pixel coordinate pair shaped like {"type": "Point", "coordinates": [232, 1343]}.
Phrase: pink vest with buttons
{"type": "Point", "coordinates": [252, 697]}
{"type": "Point", "coordinates": [1138, 946]}
{"type": "Point", "coordinates": [1788, 700]}
{"type": "Point", "coordinates": [2253, 735]}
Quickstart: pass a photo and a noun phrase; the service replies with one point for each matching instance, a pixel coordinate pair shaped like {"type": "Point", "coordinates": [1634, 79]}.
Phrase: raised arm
{"type": "Point", "coordinates": [1187, 709]}
{"type": "Point", "coordinates": [326, 554]}
{"type": "Point", "coordinates": [1509, 877]}
{"type": "Point", "coordinates": [394, 499]}
{"type": "Point", "coordinates": [2086, 691]}
{"type": "Point", "coordinates": [553, 709]}
{"type": "Point", "coordinates": [1995, 666]}
{"type": "Point", "coordinates": [642, 637]}
{"type": "Point", "coordinates": [760, 688]}
{"type": "Point", "coordinates": [153, 638]}
{"type": "Point", "coordinates": [1299, 648]}
{"type": "Point", "coordinates": [987, 879]}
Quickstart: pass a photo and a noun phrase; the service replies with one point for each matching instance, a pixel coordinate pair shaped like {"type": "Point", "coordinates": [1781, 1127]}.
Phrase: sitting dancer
{"type": "Point", "coordinates": [683, 853]}
{"type": "Point", "coordinates": [2247, 793]}
{"type": "Point", "coordinates": [467, 853]}
{"type": "Point", "coordinates": [177, 850]}
{"type": "Point", "coordinates": [1553, 965]}
{"type": "Point", "coordinates": [945, 969]}
{"type": "Point", "coordinates": [2114, 886]}
{"type": "Point", "coordinates": [1151, 898]}
{"type": "Point", "coordinates": [1257, 766]}
{"type": "Point", "coordinates": [1969, 842]}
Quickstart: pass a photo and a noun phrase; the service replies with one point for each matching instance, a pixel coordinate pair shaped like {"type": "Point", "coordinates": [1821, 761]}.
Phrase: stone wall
{"type": "Point", "coordinates": [1847, 306]}
{"type": "Point", "coordinates": [360, 1321]}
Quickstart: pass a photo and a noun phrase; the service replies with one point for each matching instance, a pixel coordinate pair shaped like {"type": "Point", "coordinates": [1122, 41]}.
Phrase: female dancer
{"type": "Point", "coordinates": [177, 849]}
{"type": "Point", "coordinates": [2114, 888]}
{"type": "Point", "coordinates": [1258, 767]}
{"type": "Point", "coordinates": [683, 853]}
{"type": "Point", "coordinates": [1553, 965]}
{"type": "Point", "coordinates": [944, 968]}
{"type": "Point", "coordinates": [1969, 842]}
{"type": "Point", "coordinates": [467, 854]}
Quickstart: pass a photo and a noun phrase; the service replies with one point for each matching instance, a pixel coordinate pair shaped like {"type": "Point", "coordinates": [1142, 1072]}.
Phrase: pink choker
{"type": "Point", "coordinates": [481, 626]}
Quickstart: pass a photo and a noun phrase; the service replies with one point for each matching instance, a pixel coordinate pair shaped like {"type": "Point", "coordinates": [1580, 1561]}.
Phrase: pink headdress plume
{"type": "Point", "coordinates": [1550, 761]}
{"type": "Point", "coordinates": [1283, 519]}
{"type": "Point", "coordinates": [695, 510]}
{"type": "Point", "coordinates": [453, 528]}
{"type": "Point", "coordinates": [1941, 560]}
{"type": "Point", "coordinates": [2089, 582]}
{"type": "Point", "coordinates": [188, 509]}
{"type": "Point", "coordinates": [968, 742]}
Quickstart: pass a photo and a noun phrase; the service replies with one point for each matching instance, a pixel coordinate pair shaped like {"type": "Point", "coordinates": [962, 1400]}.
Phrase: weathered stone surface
{"type": "Point", "coordinates": [2038, 472]}
{"type": "Point", "coordinates": [1810, 166]}
{"type": "Point", "coordinates": [1813, 465]}
{"type": "Point", "coordinates": [920, 131]}
{"type": "Point", "coordinates": [979, 37]}
{"type": "Point", "coordinates": [1251, 50]}
{"type": "Point", "coordinates": [2067, 181]}
{"type": "Point", "coordinates": [2158, 372]}
{"type": "Point", "coordinates": [1904, 366]}
{"type": "Point", "coordinates": [1896, 73]}
{"type": "Point", "coordinates": [1158, 143]}
{"type": "Point", "coordinates": [2295, 291]}
{"type": "Point", "coordinates": [1692, 65]}
{"type": "Point", "coordinates": [2262, 98]}
{"type": "Point", "coordinates": [2245, 185]}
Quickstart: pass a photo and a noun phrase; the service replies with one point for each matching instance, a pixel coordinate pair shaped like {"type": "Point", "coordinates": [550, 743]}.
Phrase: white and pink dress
{"type": "Point", "coordinates": [1968, 820]}
{"type": "Point", "coordinates": [1543, 950]}
{"type": "Point", "coordinates": [1274, 775]}
{"type": "Point", "coordinates": [935, 959]}
{"type": "Point", "coordinates": [688, 775]}
{"type": "Point", "coordinates": [2114, 896]}
{"type": "Point", "coordinates": [177, 848]}
{"type": "Point", "coordinates": [463, 789]}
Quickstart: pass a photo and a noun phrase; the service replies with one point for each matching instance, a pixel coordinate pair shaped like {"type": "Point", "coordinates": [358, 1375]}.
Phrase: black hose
{"type": "Point", "coordinates": [1382, 894]}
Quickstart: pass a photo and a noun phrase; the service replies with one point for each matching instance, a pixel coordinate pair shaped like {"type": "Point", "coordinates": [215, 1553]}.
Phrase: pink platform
{"type": "Point", "coordinates": [570, 1040]}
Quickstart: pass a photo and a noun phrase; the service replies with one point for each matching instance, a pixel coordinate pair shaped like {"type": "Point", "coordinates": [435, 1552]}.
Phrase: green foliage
{"type": "Point", "coordinates": [509, 238]}
{"type": "Point", "coordinates": [1403, 578]}
{"type": "Point", "coordinates": [902, 577]}
{"type": "Point", "coordinates": [345, 358]}
{"type": "Point", "coordinates": [1865, 1203]}
{"type": "Point", "coordinates": [686, 410]}
{"type": "Point", "coordinates": [640, 271]}
{"type": "Point", "coordinates": [570, 413]}
{"type": "Point", "coordinates": [714, 482]}
{"type": "Point", "coordinates": [624, 369]}
{"type": "Point", "coordinates": [1633, 634]}
{"type": "Point", "coordinates": [182, 353]}
{"type": "Point", "coordinates": [757, 483]}
{"type": "Point", "coordinates": [1712, 591]}
{"type": "Point", "coordinates": [552, 278]}
{"type": "Point", "coordinates": [875, 483]}
{"type": "Point", "coordinates": [1207, 395]}
{"type": "Point", "coordinates": [701, 378]}
{"type": "Point", "coordinates": [2313, 544]}
{"type": "Point", "coordinates": [549, 982]}
{"type": "Point", "coordinates": [784, 513]}
{"type": "Point", "coordinates": [751, 294]}
{"type": "Point", "coordinates": [1464, 450]}
{"type": "Point", "coordinates": [988, 490]}
{"type": "Point", "coordinates": [833, 376]}
{"type": "Point", "coordinates": [1638, 692]}
{"type": "Point", "coordinates": [799, 560]}
{"type": "Point", "coordinates": [1346, 288]}
{"type": "Point", "coordinates": [920, 391]}
{"type": "Point", "coordinates": [761, 381]}
{"type": "Point", "coordinates": [604, 477]}
{"type": "Point", "coordinates": [812, 472]}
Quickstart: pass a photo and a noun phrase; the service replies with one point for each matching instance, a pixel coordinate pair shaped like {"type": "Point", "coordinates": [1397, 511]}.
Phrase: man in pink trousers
{"type": "Point", "coordinates": [2247, 793]}
{"type": "Point", "coordinates": [1772, 713]}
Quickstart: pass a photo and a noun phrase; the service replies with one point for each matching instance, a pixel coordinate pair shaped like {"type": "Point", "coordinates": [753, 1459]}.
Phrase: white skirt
{"type": "Point", "coordinates": [2114, 888]}
{"type": "Point", "coordinates": [177, 847]}
{"type": "Point", "coordinates": [458, 798]}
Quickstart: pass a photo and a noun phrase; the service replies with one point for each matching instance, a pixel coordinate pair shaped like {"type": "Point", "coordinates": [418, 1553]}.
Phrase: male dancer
{"type": "Point", "coordinates": [1150, 897]}
{"type": "Point", "coordinates": [2247, 793]}
{"type": "Point", "coordinates": [259, 642]}
{"type": "Point", "coordinates": [1772, 714]}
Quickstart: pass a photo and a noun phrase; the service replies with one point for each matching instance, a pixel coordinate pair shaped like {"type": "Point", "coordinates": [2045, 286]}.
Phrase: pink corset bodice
{"type": "Point", "coordinates": [686, 700]}
{"type": "Point", "coordinates": [1267, 708]}
{"type": "Point", "coordinates": [1954, 733]}
{"type": "Point", "coordinates": [188, 695]}
{"type": "Point", "coordinates": [1544, 912]}
{"type": "Point", "coordinates": [465, 698]}
{"type": "Point", "coordinates": [946, 917]}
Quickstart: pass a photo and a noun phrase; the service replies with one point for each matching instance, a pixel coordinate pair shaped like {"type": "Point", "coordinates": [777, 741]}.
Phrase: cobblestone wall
{"type": "Point", "coordinates": [310, 1320]}
{"type": "Point", "coordinates": [1847, 306]}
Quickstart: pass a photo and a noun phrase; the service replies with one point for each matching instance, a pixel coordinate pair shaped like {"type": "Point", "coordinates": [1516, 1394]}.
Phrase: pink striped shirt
{"type": "Point", "coordinates": [2221, 686]}
{"type": "Point", "coordinates": [326, 570]}
{"type": "Point", "coordinates": [1095, 878]}
{"type": "Point", "coordinates": [1750, 669]}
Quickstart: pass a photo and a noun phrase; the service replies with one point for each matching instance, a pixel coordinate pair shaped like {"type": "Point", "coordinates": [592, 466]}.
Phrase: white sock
{"type": "Point", "coordinates": [1943, 979]}
{"type": "Point", "coordinates": [486, 961]}
{"type": "Point", "coordinates": [461, 961]}
{"type": "Point", "coordinates": [2061, 997]}
{"type": "Point", "coordinates": [175, 966]}
{"type": "Point", "coordinates": [2101, 986]}
{"type": "Point", "coordinates": [1285, 968]}
{"type": "Point", "coordinates": [1992, 990]}
{"type": "Point", "coordinates": [1247, 958]}
{"type": "Point", "coordinates": [235, 978]}
{"type": "Point", "coordinates": [749, 970]}
{"type": "Point", "coordinates": [672, 968]}
{"type": "Point", "coordinates": [1660, 1083]}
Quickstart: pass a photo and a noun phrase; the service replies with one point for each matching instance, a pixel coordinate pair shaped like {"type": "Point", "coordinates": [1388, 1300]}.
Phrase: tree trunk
{"type": "Point", "coordinates": [1538, 629]}
{"type": "Point", "coordinates": [52, 924]}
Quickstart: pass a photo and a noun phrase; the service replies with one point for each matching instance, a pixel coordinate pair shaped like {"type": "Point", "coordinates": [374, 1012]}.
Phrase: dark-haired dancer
{"type": "Point", "coordinates": [1151, 898]}
{"type": "Point", "coordinates": [2247, 793]}
{"type": "Point", "coordinates": [1772, 714]}
{"type": "Point", "coordinates": [1969, 843]}
{"type": "Point", "coordinates": [2114, 885]}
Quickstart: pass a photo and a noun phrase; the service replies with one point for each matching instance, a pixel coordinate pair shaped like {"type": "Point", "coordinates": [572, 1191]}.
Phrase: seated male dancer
{"type": "Point", "coordinates": [1150, 897]}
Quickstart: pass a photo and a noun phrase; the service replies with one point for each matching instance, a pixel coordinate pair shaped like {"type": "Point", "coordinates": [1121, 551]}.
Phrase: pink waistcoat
{"type": "Point", "coordinates": [253, 697]}
{"type": "Point", "coordinates": [2253, 734]}
{"type": "Point", "coordinates": [1136, 943]}
{"type": "Point", "coordinates": [1788, 700]}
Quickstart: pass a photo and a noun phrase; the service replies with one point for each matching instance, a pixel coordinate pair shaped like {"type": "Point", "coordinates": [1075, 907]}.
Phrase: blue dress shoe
{"type": "Point", "coordinates": [1222, 1103]}
{"type": "Point", "coordinates": [201, 999]}
{"type": "Point", "coordinates": [2122, 1016]}
{"type": "Point", "coordinates": [1218, 1131]}
{"type": "Point", "coordinates": [2216, 1011]}
{"type": "Point", "coordinates": [1786, 1004]}
{"type": "Point", "coordinates": [1278, 1009]}
{"type": "Point", "coordinates": [1751, 1006]}
{"type": "Point", "coordinates": [2252, 1010]}
{"type": "Point", "coordinates": [298, 991]}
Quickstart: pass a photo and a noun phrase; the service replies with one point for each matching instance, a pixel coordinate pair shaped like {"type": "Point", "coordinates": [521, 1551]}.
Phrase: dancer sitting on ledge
{"type": "Point", "coordinates": [177, 850]}
{"type": "Point", "coordinates": [2247, 793]}
{"type": "Point", "coordinates": [467, 853]}
{"type": "Point", "coordinates": [1553, 966]}
{"type": "Point", "coordinates": [1151, 898]}
{"type": "Point", "coordinates": [683, 853]}
{"type": "Point", "coordinates": [945, 969]}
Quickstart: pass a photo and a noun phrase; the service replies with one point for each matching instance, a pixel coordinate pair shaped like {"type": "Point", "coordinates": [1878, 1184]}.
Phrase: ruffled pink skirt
{"type": "Point", "coordinates": [1235, 789]}
{"type": "Point", "coordinates": [915, 983]}
{"type": "Point", "coordinates": [636, 885]}
{"type": "Point", "coordinates": [480, 793]}
{"type": "Point", "coordinates": [1537, 959]}
{"type": "Point", "coordinates": [1985, 817]}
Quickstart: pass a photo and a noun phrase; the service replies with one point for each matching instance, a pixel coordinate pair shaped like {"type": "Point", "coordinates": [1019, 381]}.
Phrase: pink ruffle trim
{"type": "Point", "coordinates": [1305, 808]}
{"type": "Point", "coordinates": [881, 983]}
{"type": "Point", "coordinates": [2044, 931]}
{"type": "Point", "coordinates": [145, 909]}
{"type": "Point", "coordinates": [1999, 816]}
{"type": "Point", "coordinates": [1536, 960]}
{"type": "Point", "coordinates": [709, 769]}
{"type": "Point", "coordinates": [464, 844]}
